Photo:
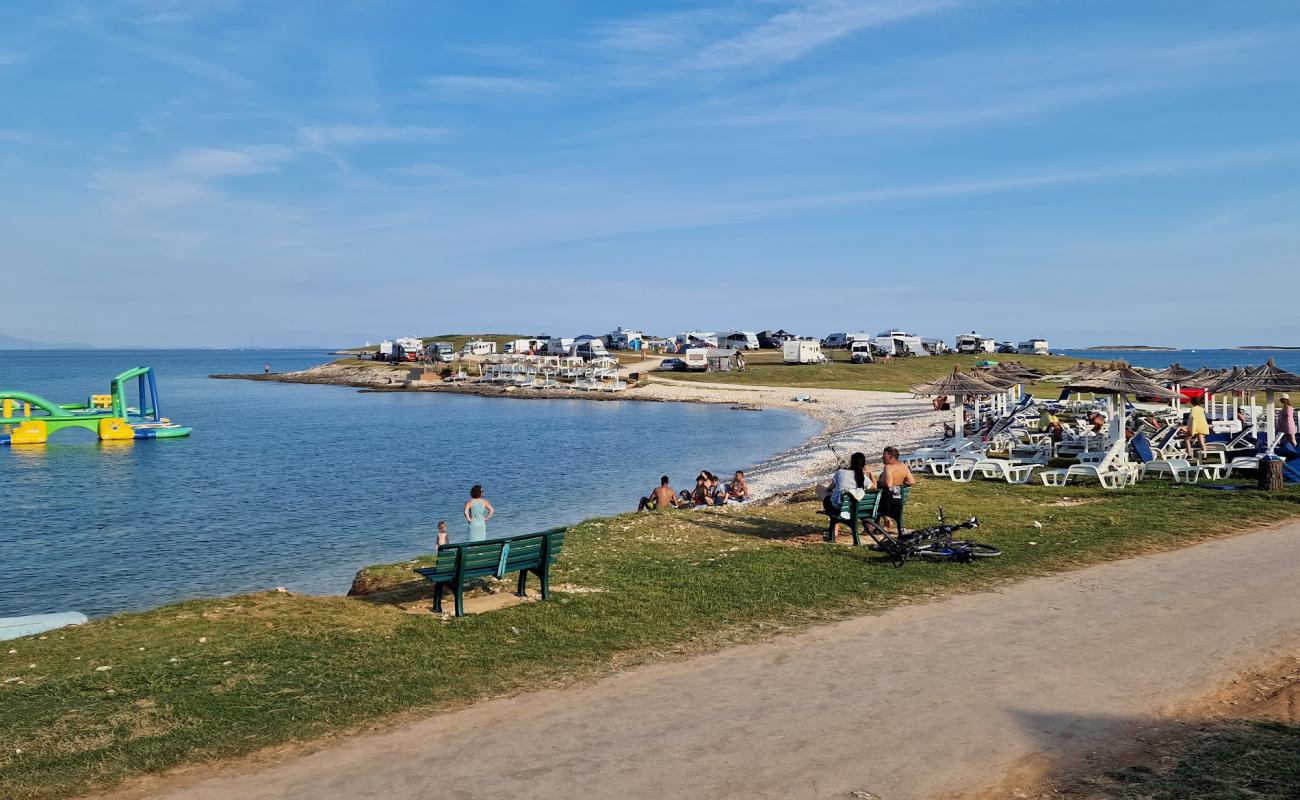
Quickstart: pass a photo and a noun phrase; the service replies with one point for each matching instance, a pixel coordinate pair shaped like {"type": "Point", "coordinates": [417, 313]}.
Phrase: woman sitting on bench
{"type": "Point", "coordinates": [855, 477]}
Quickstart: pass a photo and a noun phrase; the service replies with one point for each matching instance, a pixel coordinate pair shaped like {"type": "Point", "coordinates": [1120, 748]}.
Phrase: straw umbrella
{"type": "Point", "coordinates": [1002, 384]}
{"type": "Point", "coordinates": [1269, 379]}
{"type": "Point", "coordinates": [1175, 375]}
{"type": "Point", "coordinates": [1120, 382]}
{"type": "Point", "coordinates": [957, 384]}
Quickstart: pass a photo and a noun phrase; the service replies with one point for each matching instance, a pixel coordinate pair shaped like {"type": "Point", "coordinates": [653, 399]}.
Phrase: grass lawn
{"type": "Point", "coordinates": [1249, 760]}
{"type": "Point", "coordinates": [766, 369]}
{"type": "Point", "coordinates": [84, 708]}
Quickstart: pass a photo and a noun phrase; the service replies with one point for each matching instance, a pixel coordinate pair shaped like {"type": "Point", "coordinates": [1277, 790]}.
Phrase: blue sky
{"type": "Point", "coordinates": [239, 172]}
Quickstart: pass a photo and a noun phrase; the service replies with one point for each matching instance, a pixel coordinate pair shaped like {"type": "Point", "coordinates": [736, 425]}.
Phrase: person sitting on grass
{"type": "Point", "coordinates": [738, 490]}
{"type": "Point", "coordinates": [662, 497]}
{"type": "Point", "coordinates": [855, 478]}
{"type": "Point", "coordinates": [893, 477]}
{"type": "Point", "coordinates": [717, 494]}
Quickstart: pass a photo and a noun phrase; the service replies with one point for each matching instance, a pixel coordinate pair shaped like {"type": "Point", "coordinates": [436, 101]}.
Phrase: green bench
{"type": "Point", "coordinates": [462, 561]}
{"type": "Point", "coordinates": [853, 511]}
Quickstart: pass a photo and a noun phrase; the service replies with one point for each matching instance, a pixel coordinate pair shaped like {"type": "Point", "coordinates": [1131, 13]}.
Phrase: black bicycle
{"type": "Point", "coordinates": [935, 543]}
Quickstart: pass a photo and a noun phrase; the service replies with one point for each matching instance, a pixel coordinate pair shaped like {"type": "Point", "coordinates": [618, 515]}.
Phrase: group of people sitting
{"type": "Point", "coordinates": [709, 491]}
{"type": "Point", "coordinates": [857, 481]}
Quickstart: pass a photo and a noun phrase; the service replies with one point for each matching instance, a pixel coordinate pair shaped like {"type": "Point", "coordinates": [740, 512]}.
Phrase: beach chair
{"type": "Point", "coordinates": [1180, 469]}
{"type": "Point", "coordinates": [993, 469]}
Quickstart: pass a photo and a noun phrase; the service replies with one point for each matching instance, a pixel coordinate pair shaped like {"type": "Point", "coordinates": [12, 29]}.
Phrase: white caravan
{"type": "Point", "coordinates": [558, 345]}
{"type": "Point", "coordinates": [974, 343]}
{"type": "Point", "coordinates": [478, 347]}
{"type": "Point", "coordinates": [898, 343]}
{"type": "Point", "coordinates": [835, 341]}
{"type": "Point", "coordinates": [740, 340]}
{"type": "Point", "coordinates": [588, 349]}
{"type": "Point", "coordinates": [1034, 347]}
{"type": "Point", "coordinates": [802, 351]}
{"type": "Point", "coordinates": [696, 358]}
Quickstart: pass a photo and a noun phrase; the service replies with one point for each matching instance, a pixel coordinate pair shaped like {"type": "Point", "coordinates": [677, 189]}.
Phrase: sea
{"type": "Point", "coordinates": [1192, 359]}
{"type": "Point", "coordinates": [298, 486]}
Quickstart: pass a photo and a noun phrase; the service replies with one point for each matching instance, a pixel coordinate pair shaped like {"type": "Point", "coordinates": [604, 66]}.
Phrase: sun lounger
{"type": "Point", "coordinates": [1180, 469]}
{"type": "Point", "coordinates": [1108, 477]}
{"type": "Point", "coordinates": [994, 469]}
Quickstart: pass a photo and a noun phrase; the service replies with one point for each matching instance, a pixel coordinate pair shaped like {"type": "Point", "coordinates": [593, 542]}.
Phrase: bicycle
{"type": "Point", "coordinates": [935, 543]}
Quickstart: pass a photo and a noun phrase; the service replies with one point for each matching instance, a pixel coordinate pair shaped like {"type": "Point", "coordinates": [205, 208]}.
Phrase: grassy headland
{"type": "Point", "coordinates": [765, 368]}
{"type": "Point", "coordinates": [202, 680]}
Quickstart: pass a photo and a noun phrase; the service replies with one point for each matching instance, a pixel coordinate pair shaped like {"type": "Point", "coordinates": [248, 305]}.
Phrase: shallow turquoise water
{"type": "Point", "coordinates": [298, 486]}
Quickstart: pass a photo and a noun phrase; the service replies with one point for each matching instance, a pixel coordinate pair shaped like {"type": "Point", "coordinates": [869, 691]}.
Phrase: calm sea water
{"type": "Point", "coordinates": [1193, 359]}
{"type": "Point", "coordinates": [299, 486]}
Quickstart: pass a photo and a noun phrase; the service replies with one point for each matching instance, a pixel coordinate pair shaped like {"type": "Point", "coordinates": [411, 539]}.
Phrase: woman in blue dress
{"type": "Point", "coordinates": [477, 512]}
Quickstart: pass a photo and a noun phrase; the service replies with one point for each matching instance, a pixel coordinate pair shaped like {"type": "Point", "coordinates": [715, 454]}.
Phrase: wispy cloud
{"type": "Point", "coordinates": [12, 58]}
{"type": "Point", "coordinates": [467, 87]}
{"type": "Point", "coordinates": [425, 169]}
{"type": "Point", "coordinates": [177, 12]}
{"type": "Point", "coordinates": [346, 135]}
{"type": "Point", "coordinates": [662, 32]}
{"type": "Point", "coordinates": [217, 163]}
{"type": "Point", "coordinates": [794, 33]}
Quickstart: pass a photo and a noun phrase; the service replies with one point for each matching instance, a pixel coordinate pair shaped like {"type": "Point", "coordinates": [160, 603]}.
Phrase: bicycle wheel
{"type": "Point", "coordinates": [977, 549]}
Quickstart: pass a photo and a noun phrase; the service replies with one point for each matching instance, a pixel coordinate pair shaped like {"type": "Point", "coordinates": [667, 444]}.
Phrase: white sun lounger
{"type": "Point", "coordinates": [1108, 477]}
{"type": "Point", "coordinates": [1180, 469]}
{"type": "Point", "coordinates": [993, 468]}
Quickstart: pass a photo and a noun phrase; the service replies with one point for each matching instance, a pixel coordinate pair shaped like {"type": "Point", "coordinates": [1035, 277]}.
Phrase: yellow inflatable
{"type": "Point", "coordinates": [114, 429]}
{"type": "Point", "coordinates": [29, 431]}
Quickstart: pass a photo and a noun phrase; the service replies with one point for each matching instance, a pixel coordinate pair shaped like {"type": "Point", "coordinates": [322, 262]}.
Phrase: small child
{"type": "Point", "coordinates": [442, 532]}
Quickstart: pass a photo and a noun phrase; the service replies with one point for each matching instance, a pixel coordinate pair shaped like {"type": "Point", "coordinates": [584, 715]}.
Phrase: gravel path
{"type": "Point", "coordinates": [914, 703]}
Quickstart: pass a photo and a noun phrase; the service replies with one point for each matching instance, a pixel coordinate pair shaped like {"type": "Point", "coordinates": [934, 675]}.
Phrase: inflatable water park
{"type": "Point", "coordinates": [129, 411]}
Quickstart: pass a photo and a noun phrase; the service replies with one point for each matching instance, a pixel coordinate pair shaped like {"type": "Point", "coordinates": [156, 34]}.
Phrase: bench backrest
{"type": "Point", "coordinates": [495, 557]}
{"type": "Point", "coordinates": [869, 506]}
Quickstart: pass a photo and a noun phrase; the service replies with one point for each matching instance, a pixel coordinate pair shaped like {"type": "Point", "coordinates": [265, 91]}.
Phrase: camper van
{"type": "Point", "coordinates": [694, 339]}
{"type": "Point", "coordinates": [1034, 347]}
{"type": "Point", "coordinates": [696, 358]}
{"type": "Point", "coordinates": [385, 351]}
{"type": "Point", "coordinates": [478, 347]}
{"type": "Point", "coordinates": [836, 341]}
{"type": "Point", "coordinates": [860, 353]}
{"type": "Point", "coordinates": [408, 349]}
{"type": "Point", "coordinates": [740, 340]}
{"type": "Point", "coordinates": [588, 349]}
{"type": "Point", "coordinates": [558, 345]}
{"type": "Point", "coordinates": [439, 351]}
{"type": "Point", "coordinates": [898, 343]}
{"type": "Point", "coordinates": [802, 351]}
{"type": "Point", "coordinates": [1005, 347]}
{"type": "Point", "coordinates": [974, 343]}
{"type": "Point", "coordinates": [523, 346]}
{"type": "Point", "coordinates": [624, 339]}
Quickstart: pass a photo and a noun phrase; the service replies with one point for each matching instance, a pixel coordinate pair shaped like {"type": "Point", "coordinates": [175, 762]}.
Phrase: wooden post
{"type": "Point", "coordinates": [1270, 474]}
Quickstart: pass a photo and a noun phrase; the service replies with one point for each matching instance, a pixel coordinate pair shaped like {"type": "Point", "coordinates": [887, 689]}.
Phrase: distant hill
{"type": "Point", "coordinates": [16, 343]}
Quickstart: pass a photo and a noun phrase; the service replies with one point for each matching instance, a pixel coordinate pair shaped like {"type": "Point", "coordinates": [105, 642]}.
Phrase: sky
{"type": "Point", "coordinates": [284, 172]}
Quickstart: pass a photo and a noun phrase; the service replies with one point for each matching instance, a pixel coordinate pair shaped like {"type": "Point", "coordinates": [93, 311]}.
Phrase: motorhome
{"type": "Point", "coordinates": [439, 351]}
{"type": "Point", "coordinates": [695, 339]}
{"type": "Point", "coordinates": [1005, 347]}
{"type": "Point", "coordinates": [407, 349]}
{"type": "Point", "coordinates": [897, 343]}
{"type": "Point", "coordinates": [385, 351]}
{"type": "Point", "coordinates": [696, 358]}
{"type": "Point", "coordinates": [740, 340]}
{"type": "Point", "coordinates": [558, 345]}
{"type": "Point", "coordinates": [1033, 347]}
{"type": "Point", "coordinates": [802, 351]}
{"type": "Point", "coordinates": [624, 339]}
{"type": "Point", "coordinates": [835, 341]}
{"type": "Point", "coordinates": [524, 346]}
{"type": "Point", "coordinates": [935, 347]}
{"type": "Point", "coordinates": [860, 353]}
{"type": "Point", "coordinates": [588, 349]}
{"type": "Point", "coordinates": [479, 347]}
{"type": "Point", "coordinates": [974, 343]}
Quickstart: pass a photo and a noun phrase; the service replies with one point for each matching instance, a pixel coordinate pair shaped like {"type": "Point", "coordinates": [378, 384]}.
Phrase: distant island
{"type": "Point", "coordinates": [1266, 347]}
{"type": "Point", "coordinates": [1131, 347]}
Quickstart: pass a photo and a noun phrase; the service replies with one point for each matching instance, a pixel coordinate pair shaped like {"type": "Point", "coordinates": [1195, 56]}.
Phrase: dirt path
{"type": "Point", "coordinates": [914, 703]}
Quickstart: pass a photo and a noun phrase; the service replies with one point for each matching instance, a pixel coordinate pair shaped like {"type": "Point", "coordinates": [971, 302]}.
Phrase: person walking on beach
{"type": "Point", "coordinates": [477, 513]}
{"type": "Point", "coordinates": [1286, 422]}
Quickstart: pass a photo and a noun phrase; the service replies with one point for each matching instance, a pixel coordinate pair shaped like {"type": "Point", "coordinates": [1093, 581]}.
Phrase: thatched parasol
{"type": "Point", "coordinates": [1268, 379]}
{"type": "Point", "coordinates": [1175, 373]}
{"type": "Point", "coordinates": [957, 384]}
{"type": "Point", "coordinates": [1120, 381]}
{"type": "Point", "coordinates": [999, 382]}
